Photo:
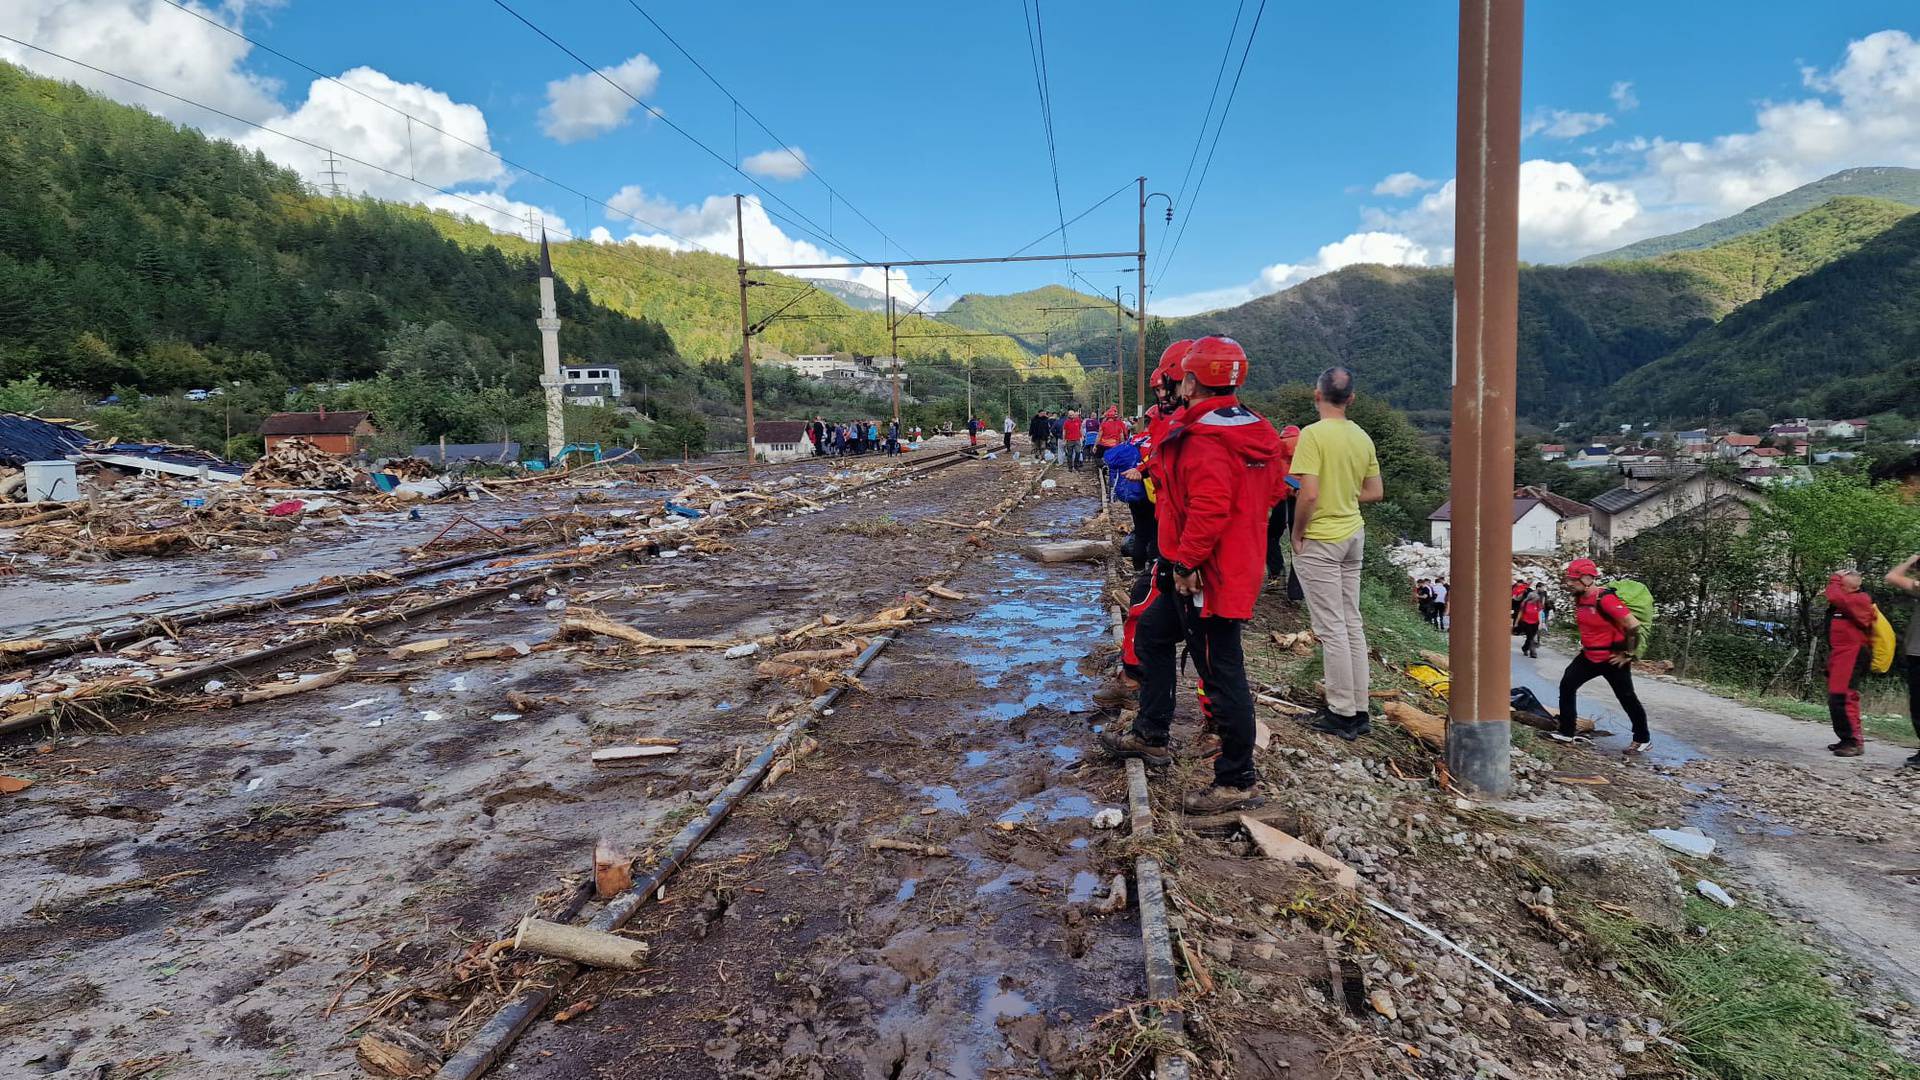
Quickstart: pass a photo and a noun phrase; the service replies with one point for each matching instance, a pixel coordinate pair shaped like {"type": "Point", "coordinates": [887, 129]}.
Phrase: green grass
{"type": "Point", "coordinates": [1744, 1001]}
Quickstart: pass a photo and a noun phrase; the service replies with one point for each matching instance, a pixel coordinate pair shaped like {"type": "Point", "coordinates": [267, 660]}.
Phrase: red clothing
{"type": "Point", "coordinates": [1530, 613]}
{"type": "Point", "coordinates": [1849, 630]}
{"type": "Point", "coordinates": [1113, 431]}
{"type": "Point", "coordinates": [1289, 441]}
{"type": "Point", "coordinates": [1218, 467]}
{"type": "Point", "coordinates": [1600, 619]}
{"type": "Point", "coordinates": [1071, 428]}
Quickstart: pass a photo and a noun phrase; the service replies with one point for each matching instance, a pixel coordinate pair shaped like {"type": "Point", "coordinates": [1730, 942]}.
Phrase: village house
{"type": "Point", "coordinates": [591, 385]}
{"type": "Point", "coordinates": [339, 432]}
{"type": "Point", "coordinates": [1543, 523]}
{"type": "Point", "coordinates": [1591, 457]}
{"type": "Point", "coordinates": [1732, 446]}
{"type": "Point", "coordinates": [1552, 451]}
{"type": "Point", "coordinates": [781, 440]}
{"type": "Point", "coordinates": [1846, 429]}
{"type": "Point", "coordinates": [1656, 494]}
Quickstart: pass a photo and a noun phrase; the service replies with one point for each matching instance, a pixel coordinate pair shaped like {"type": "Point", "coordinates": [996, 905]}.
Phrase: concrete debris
{"type": "Point", "coordinates": [1686, 842]}
{"type": "Point", "coordinates": [1714, 893]}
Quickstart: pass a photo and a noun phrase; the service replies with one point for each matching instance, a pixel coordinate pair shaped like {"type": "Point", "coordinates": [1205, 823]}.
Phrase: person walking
{"type": "Point", "coordinates": [1526, 623]}
{"type": "Point", "coordinates": [1006, 434]}
{"type": "Point", "coordinates": [1090, 448]}
{"type": "Point", "coordinates": [1037, 429]}
{"type": "Point", "coordinates": [1440, 602]}
{"type": "Point", "coordinates": [1217, 468]}
{"type": "Point", "coordinates": [1338, 470]}
{"type": "Point", "coordinates": [1113, 430]}
{"type": "Point", "coordinates": [1609, 636]}
{"type": "Point", "coordinates": [1070, 441]}
{"type": "Point", "coordinates": [1056, 423]}
{"type": "Point", "coordinates": [1902, 578]}
{"type": "Point", "coordinates": [1850, 619]}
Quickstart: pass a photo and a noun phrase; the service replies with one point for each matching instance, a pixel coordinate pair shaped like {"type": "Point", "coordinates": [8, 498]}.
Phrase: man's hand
{"type": "Point", "coordinates": [1620, 659]}
{"type": "Point", "coordinates": [1131, 474]}
{"type": "Point", "coordinates": [1299, 541]}
{"type": "Point", "coordinates": [1186, 584]}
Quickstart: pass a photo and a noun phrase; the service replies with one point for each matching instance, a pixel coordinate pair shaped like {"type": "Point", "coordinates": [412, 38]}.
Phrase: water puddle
{"type": "Point", "coordinates": [945, 798]}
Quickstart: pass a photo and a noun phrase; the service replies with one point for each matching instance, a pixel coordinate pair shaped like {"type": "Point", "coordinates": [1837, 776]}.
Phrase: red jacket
{"type": "Point", "coordinates": [1219, 466]}
{"type": "Point", "coordinates": [1071, 429]}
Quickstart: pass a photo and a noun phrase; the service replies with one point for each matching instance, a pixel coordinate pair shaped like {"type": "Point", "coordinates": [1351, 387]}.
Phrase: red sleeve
{"type": "Point", "coordinates": [1859, 608]}
{"type": "Point", "coordinates": [1206, 479]}
{"type": "Point", "coordinates": [1614, 608]}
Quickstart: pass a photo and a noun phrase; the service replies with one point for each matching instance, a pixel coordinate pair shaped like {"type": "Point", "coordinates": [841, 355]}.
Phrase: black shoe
{"type": "Point", "coordinates": [1361, 724]}
{"type": "Point", "coordinates": [1347, 727]}
{"type": "Point", "coordinates": [1849, 749]}
{"type": "Point", "coordinates": [1912, 762]}
{"type": "Point", "coordinates": [1130, 745]}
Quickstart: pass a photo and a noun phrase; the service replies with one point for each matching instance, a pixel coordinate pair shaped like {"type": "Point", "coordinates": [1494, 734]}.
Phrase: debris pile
{"type": "Point", "coordinates": [297, 463]}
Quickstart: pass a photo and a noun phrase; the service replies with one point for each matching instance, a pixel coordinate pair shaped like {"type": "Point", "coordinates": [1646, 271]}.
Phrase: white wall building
{"type": "Point", "coordinates": [591, 385]}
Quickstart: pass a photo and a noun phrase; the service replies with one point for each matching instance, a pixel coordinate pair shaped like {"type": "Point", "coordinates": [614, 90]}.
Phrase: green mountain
{"type": "Point", "coordinates": [1050, 320]}
{"type": "Point", "coordinates": [1843, 340]}
{"type": "Point", "coordinates": [1877, 182]}
{"type": "Point", "coordinates": [1581, 329]}
{"type": "Point", "coordinates": [1751, 266]}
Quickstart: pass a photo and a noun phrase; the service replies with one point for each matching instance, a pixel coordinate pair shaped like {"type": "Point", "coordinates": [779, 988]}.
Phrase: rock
{"type": "Point", "coordinates": [1382, 1003]}
{"type": "Point", "coordinates": [1544, 897]}
{"type": "Point", "coordinates": [1684, 841]}
{"type": "Point", "coordinates": [1633, 1046]}
{"type": "Point", "coordinates": [1220, 949]}
{"type": "Point", "coordinates": [1108, 818]}
{"type": "Point", "coordinates": [1713, 892]}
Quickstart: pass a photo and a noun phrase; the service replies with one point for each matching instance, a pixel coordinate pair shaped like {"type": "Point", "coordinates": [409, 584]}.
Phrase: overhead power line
{"type": "Point", "coordinates": [812, 228]}
{"type": "Point", "coordinates": [1186, 218]}
{"type": "Point", "coordinates": [1037, 54]}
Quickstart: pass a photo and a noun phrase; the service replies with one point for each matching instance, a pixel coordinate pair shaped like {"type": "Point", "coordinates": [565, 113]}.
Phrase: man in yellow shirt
{"type": "Point", "coordinates": [1338, 470]}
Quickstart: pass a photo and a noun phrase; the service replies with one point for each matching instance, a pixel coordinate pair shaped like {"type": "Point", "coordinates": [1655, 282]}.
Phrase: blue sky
{"type": "Point", "coordinates": [1645, 117]}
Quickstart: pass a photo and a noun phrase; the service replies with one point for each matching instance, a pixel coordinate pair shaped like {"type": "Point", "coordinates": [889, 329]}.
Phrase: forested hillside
{"type": "Point", "coordinates": [1751, 266]}
{"type": "Point", "coordinates": [1875, 182]}
{"type": "Point", "coordinates": [1581, 329]}
{"type": "Point", "coordinates": [1052, 318]}
{"type": "Point", "coordinates": [1841, 341]}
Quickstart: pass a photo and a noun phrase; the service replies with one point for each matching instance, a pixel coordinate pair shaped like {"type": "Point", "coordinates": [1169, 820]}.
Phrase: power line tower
{"type": "Point", "coordinates": [333, 173]}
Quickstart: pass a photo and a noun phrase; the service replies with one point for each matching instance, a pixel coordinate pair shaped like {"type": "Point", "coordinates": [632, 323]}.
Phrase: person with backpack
{"type": "Point", "coordinates": [1850, 623]}
{"type": "Point", "coordinates": [1903, 577]}
{"type": "Point", "coordinates": [1526, 622]}
{"type": "Point", "coordinates": [1609, 637]}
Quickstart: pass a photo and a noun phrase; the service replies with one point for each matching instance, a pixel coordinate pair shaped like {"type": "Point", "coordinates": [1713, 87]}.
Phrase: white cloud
{"type": "Point", "coordinates": [333, 116]}
{"type": "Point", "coordinates": [709, 224]}
{"type": "Point", "coordinates": [584, 106]}
{"type": "Point", "coordinates": [1562, 124]}
{"type": "Point", "coordinates": [1391, 249]}
{"type": "Point", "coordinates": [786, 163]}
{"type": "Point", "coordinates": [148, 40]}
{"type": "Point", "coordinates": [1624, 99]}
{"type": "Point", "coordinates": [1562, 213]}
{"type": "Point", "coordinates": [1402, 184]}
{"type": "Point", "coordinates": [501, 214]}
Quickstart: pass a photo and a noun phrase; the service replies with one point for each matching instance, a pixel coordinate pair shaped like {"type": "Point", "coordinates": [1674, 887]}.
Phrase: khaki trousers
{"type": "Point", "coordinates": [1330, 576]}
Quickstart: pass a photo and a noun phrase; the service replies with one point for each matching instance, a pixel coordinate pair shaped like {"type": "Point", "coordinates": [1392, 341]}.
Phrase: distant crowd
{"type": "Point", "coordinates": [858, 437]}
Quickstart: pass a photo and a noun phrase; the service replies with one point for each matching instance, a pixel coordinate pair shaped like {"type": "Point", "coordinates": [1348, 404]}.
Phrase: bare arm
{"type": "Point", "coordinates": [1372, 490]}
{"type": "Point", "coordinates": [1901, 577]}
{"type": "Point", "coordinates": [1304, 502]}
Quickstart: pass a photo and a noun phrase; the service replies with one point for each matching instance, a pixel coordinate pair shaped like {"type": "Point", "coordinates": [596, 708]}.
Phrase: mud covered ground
{"type": "Point", "coordinates": [236, 892]}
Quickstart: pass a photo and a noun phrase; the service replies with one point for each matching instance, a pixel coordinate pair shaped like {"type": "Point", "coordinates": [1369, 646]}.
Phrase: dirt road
{"type": "Point", "coordinates": [1827, 837]}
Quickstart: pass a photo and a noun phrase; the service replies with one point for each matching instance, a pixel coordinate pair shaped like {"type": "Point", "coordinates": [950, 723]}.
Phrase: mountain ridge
{"type": "Point", "coordinates": [1890, 182]}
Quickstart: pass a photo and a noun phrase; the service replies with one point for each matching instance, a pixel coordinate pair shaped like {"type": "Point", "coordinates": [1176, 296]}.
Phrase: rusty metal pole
{"type": "Point", "coordinates": [1485, 330]}
{"type": "Point", "coordinates": [893, 336]}
{"type": "Point", "coordinates": [1140, 385]}
{"type": "Point", "coordinates": [1119, 365]}
{"type": "Point", "coordinates": [746, 328]}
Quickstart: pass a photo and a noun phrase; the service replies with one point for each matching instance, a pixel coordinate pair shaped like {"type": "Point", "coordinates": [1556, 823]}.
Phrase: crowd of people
{"type": "Point", "coordinates": [859, 437]}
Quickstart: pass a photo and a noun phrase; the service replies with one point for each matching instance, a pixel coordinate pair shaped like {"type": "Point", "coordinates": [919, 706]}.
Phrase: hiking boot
{"type": "Point", "coordinates": [1563, 738]}
{"type": "Point", "coordinates": [1347, 727]}
{"type": "Point", "coordinates": [1832, 746]}
{"type": "Point", "coordinates": [1115, 695]}
{"type": "Point", "coordinates": [1636, 748]}
{"type": "Point", "coordinates": [1849, 749]}
{"type": "Point", "coordinates": [1912, 762]}
{"type": "Point", "coordinates": [1219, 800]}
{"type": "Point", "coordinates": [1130, 745]}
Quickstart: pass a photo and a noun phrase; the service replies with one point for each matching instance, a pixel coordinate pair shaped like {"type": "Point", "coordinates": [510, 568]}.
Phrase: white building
{"type": "Point", "coordinates": [1543, 523]}
{"type": "Point", "coordinates": [1846, 429]}
{"type": "Point", "coordinates": [781, 440]}
{"type": "Point", "coordinates": [821, 365]}
{"type": "Point", "coordinates": [591, 385]}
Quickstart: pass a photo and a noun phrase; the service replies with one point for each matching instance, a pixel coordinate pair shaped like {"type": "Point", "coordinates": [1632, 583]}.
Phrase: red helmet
{"type": "Point", "coordinates": [1170, 358]}
{"type": "Point", "coordinates": [1216, 361]}
{"type": "Point", "coordinates": [1580, 568]}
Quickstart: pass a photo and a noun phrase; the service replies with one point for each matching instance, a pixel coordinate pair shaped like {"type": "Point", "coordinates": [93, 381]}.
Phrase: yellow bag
{"type": "Point", "coordinates": [1432, 678]}
{"type": "Point", "coordinates": [1884, 643]}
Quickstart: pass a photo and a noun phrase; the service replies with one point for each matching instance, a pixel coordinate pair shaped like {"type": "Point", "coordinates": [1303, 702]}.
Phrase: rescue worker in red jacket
{"type": "Point", "coordinates": [1113, 430]}
{"type": "Point", "coordinates": [1850, 619]}
{"type": "Point", "coordinates": [1280, 521]}
{"type": "Point", "coordinates": [1166, 385]}
{"type": "Point", "coordinates": [1217, 469]}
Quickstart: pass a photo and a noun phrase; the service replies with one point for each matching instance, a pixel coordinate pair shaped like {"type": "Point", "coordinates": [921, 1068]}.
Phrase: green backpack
{"type": "Point", "coordinates": [1639, 600]}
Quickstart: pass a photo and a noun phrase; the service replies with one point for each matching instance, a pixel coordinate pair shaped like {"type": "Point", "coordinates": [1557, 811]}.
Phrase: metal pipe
{"type": "Point", "coordinates": [1140, 385]}
{"type": "Point", "coordinates": [1486, 328]}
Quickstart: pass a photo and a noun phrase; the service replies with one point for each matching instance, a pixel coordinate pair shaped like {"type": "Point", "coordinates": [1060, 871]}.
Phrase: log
{"type": "Point", "coordinates": [580, 945]}
{"type": "Point", "coordinates": [858, 628]}
{"type": "Point", "coordinates": [1115, 899]}
{"type": "Point", "coordinates": [1070, 551]}
{"type": "Point", "coordinates": [612, 870]}
{"type": "Point", "coordinates": [886, 843]}
{"type": "Point", "coordinates": [1280, 847]}
{"type": "Point", "coordinates": [847, 651]}
{"type": "Point", "coordinates": [22, 645]}
{"type": "Point", "coordinates": [1284, 706]}
{"type": "Point", "coordinates": [1437, 659]}
{"type": "Point", "coordinates": [503, 652]}
{"type": "Point", "coordinates": [418, 648]}
{"type": "Point", "coordinates": [945, 593]}
{"type": "Point", "coordinates": [1583, 724]}
{"type": "Point", "coordinates": [626, 755]}
{"type": "Point", "coordinates": [389, 1051]}
{"type": "Point", "coordinates": [1424, 726]}
{"type": "Point", "coordinates": [279, 690]}
{"type": "Point", "coordinates": [587, 625]}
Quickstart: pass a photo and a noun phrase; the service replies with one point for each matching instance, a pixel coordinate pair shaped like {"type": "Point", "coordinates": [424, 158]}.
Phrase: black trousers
{"type": "Point", "coordinates": [1913, 692]}
{"type": "Point", "coordinates": [1146, 534]}
{"type": "Point", "coordinates": [1583, 671]}
{"type": "Point", "coordinates": [1279, 528]}
{"type": "Point", "coordinates": [1214, 644]}
{"type": "Point", "coordinates": [1530, 638]}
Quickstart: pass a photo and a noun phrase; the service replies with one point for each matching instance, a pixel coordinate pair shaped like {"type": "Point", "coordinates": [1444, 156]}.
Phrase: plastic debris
{"type": "Point", "coordinates": [1109, 818]}
{"type": "Point", "coordinates": [1714, 893]}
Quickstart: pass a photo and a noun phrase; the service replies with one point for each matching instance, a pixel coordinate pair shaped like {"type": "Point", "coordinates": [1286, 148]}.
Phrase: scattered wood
{"type": "Point", "coordinates": [1262, 735]}
{"type": "Point", "coordinates": [390, 1051]}
{"type": "Point", "coordinates": [12, 784]}
{"type": "Point", "coordinates": [521, 703]}
{"type": "Point", "coordinates": [1586, 779]}
{"type": "Point", "coordinates": [20, 645]}
{"type": "Point", "coordinates": [509, 651]}
{"type": "Point", "coordinates": [418, 648]}
{"type": "Point", "coordinates": [1281, 847]}
{"type": "Point", "coordinates": [869, 627]}
{"type": "Point", "coordinates": [780, 769]}
{"type": "Point", "coordinates": [286, 689]}
{"type": "Point", "coordinates": [1437, 659]}
{"type": "Point", "coordinates": [612, 869]}
{"type": "Point", "coordinates": [1283, 705]}
{"type": "Point", "coordinates": [578, 1008]}
{"type": "Point", "coordinates": [1300, 642]}
{"type": "Point", "coordinates": [579, 944]}
{"type": "Point", "coordinates": [845, 651]}
{"type": "Point", "coordinates": [887, 843]}
{"type": "Point", "coordinates": [944, 593]}
{"type": "Point", "coordinates": [1060, 551]}
{"type": "Point", "coordinates": [625, 755]}
{"type": "Point", "coordinates": [1431, 730]}
{"type": "Point", "coordinates": [1114, 900]}
{"type": "Point", "coordinates": [587, 624]}
{"type": "Point", "coordinates": [1196, 967]}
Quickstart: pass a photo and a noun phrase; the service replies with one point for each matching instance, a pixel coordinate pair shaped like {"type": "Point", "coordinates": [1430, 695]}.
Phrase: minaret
{"type": "Point", "coordinates": [550, 380]}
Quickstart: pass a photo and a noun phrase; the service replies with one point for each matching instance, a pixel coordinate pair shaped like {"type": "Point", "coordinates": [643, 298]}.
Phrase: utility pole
{"type": "Point", "coordinates": [332, 173]}
{"type": "Point", "coordinates": [893, 336]}
{"type": "Point", "coordinates": [551, 383]}
{"type": "Point", "coordinates": [1140, 386]}
{"type": "Point", "coordinates": [1119, 370]}
{"type": "Point", "coordinates": [746, 329]}
{"type": "Point", "coordinates": [1486, 327]}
